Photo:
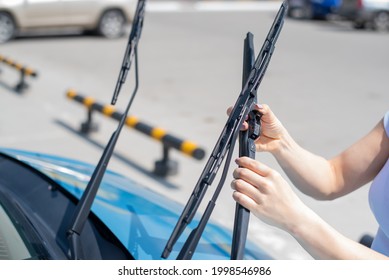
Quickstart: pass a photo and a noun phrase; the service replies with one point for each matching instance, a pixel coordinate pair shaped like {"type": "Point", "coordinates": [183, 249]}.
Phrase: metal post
{"type": "Point", "coordinates": [89, 126]}
{"type": "Point", "coordinates": [166, 166]}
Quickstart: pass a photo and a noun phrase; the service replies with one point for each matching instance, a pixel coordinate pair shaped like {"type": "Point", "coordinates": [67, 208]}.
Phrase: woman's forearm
{"type": "Point", "coordinates": [323, 242]}
{"type": "Point", "coordinates": [311, 173]}
{"type": "Point", "coordinates": [328, 179]}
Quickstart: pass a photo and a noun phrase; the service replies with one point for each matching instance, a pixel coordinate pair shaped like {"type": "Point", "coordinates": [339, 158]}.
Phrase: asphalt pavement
{"type": "Point", "coordinates": [326, 82]}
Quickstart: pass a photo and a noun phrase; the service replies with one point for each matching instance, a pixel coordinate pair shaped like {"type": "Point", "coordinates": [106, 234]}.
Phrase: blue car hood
{"type": "Point", "coordinates": [140, 218]}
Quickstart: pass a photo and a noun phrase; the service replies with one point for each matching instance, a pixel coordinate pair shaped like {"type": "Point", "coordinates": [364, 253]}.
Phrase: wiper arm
{"type": "Point", "coordinates": [224, 144]}
{"type": "Point", "coordinates": [85, 204]}
{"type": "Point", "coordinates": [130, 52]}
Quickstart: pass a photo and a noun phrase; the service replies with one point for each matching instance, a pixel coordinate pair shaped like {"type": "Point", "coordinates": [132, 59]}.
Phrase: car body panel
{"type": "Point", "coordinates": [325, 7]}
{"type": "Point", "coordinates": [88, 12]}
{"type": "Point", "coordinates": [35, 13]}
{"type": "Point", "coordinates": [30, 14]}
{"type": "Point", "coordinates": [307, 9]}
{"type": "Point", "coordinates": [141, 219]}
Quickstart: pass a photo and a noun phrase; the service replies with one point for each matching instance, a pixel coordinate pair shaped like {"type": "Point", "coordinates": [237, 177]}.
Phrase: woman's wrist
{"type": "Point", "coordinates": [283, 146]}
{"type": "Point", "coordinates": [304, 222]}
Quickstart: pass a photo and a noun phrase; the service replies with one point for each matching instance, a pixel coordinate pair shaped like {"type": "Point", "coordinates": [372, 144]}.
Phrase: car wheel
{"type": "Point", "coordinates": [111, 24]}
{"type": "Point", "coordinates": [381, 21]}
{"type": "Point", "coordinates": [7, 27]}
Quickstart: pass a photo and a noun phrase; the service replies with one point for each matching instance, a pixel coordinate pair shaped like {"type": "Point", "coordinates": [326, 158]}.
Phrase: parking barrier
{"type": "Point", "coordinates": [163, 167]}
{"type": "Point", "coordinates": [24, 72]}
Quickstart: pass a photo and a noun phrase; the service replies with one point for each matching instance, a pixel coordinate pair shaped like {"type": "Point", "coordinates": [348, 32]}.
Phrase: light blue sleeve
{"type": "Point", "coordinates": [386, 123]}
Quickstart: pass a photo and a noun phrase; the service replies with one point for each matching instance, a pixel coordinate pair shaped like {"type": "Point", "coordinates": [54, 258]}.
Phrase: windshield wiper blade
{"type": "Point", "coordinates": [224, 144]}
{"type": "Point", "coordinates": [246, 148]}
{"type": "Point", "coordinates": [84, 206]}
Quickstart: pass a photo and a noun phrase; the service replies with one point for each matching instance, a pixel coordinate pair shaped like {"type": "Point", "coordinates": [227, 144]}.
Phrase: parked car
{"type": "Point", "coordinates": [312, 9]}
{"type": "Point", "coordinates": [366, 13]}
{"type": "Point", "coordinates": [38, 197]}
{"type": "Point", "coordinates": [106, 17]}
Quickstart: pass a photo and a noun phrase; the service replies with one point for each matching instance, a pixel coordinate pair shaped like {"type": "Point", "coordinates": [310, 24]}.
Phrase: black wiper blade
{"type": "Point", "coordinates": [246, 148]}
{"type": "Point", "coordinates": [85, 204]}
{"type": "Point", "coordinates": [224, 145]}
{"type": "Point", "coordinates": [133, 40]}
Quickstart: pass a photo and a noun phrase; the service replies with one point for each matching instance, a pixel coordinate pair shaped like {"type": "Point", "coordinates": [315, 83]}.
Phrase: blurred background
{"type": "Point", "coordinates": [327, 82]}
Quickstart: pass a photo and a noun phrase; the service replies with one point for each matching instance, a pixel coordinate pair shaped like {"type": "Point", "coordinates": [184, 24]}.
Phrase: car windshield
{"type": "Point", "coordinates": [12, 244]}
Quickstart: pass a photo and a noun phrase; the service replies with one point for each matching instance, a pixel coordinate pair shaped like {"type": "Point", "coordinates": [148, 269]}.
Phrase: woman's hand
{"type": "Point", "coordinates": [266, 194]}
{"type": "Point", "coordinates": [272, 131]}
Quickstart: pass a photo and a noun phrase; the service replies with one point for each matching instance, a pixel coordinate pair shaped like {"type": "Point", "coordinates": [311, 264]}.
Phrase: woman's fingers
{"type": "Point", "coordinates": [244, 200]}
{"type": "Point", "coordinates": [254, 165]}
{"type": "Point", "coordinates": [246, 188]}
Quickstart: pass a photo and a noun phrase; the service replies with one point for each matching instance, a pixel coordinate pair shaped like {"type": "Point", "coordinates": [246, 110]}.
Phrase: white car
{"type": "Point", "coordinates": [105, 17]}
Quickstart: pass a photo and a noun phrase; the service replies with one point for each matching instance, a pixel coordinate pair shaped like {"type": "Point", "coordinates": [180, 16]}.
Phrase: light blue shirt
{"type": "Point", "coordinates": [379, 203]}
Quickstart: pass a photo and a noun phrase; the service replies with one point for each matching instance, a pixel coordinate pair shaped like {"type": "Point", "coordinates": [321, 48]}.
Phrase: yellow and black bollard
{"type": "Point", "coordinates": [163, 167]}
{"type": "Point", "coordinates": [24, 72]}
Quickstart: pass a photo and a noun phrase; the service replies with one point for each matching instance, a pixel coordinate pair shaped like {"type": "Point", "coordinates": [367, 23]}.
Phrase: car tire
{"type": "Point", "coordinates": [381, 21]}
{"type": "Point", "coordinates": [7, 27]}
{"type": "Point", "coordinates": [111, 24]}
